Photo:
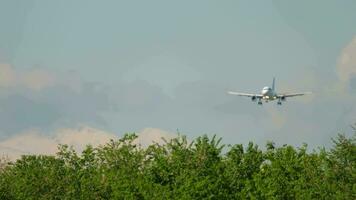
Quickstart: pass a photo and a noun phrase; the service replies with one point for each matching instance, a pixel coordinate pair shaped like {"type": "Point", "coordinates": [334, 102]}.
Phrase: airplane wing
{"type": "Point", "coordinates": [293, 94]}
{"type": "Point", "coordinates": [245, 94]}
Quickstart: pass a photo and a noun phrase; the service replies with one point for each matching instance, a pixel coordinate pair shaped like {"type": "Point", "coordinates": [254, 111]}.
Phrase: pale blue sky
{"type": "Point", "coordinates": [167, 64]}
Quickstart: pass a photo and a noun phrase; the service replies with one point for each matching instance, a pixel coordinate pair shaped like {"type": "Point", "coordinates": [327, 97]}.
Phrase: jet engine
{"type": "Point", "coordinates": [283, 99]}
{"type": "Point", "coordinates": [253, 98]}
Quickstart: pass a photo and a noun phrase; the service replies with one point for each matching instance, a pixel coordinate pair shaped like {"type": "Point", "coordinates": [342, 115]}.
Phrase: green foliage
{"type": "Point", "coordinates": [184, 170]}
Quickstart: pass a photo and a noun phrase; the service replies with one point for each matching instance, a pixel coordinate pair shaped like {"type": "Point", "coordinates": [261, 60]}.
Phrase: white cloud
{"type": "Point", "coordinates": [35, 79]}
{"type": "Point", "coordinates": [7, 76]}
{"type": "Point", "coordinates": [33, 142]}
{"type": "Point", "coordinates": [153, 135]}
{"type": "Point", "coordinates": [346, 67]}
{"type": "Point", "coordinates": [79, 138]}
{"type": "Point", "coordinates": [28, 143]}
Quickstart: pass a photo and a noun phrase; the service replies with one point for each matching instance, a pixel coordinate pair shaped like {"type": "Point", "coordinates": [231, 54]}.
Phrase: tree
{"type": "Point", "coordinates": [180, 169]}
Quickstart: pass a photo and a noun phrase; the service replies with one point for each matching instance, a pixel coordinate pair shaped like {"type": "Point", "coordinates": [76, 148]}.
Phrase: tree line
{"type": "Point", "coordinates": [178, 169]}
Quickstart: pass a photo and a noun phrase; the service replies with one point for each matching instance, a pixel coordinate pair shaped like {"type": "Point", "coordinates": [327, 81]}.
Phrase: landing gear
{"type": "Point", "coordinates": [259, 102]}
{"type": "Point", "coordinates": [279, 103]}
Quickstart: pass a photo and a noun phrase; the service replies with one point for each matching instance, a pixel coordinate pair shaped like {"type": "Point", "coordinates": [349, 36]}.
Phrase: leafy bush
{"type": "Point", "coordinates": [183, 170]}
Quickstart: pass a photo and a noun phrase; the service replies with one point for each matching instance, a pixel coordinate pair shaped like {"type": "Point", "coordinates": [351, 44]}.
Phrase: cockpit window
{"type": "Point", "coordinates": [266, 88]}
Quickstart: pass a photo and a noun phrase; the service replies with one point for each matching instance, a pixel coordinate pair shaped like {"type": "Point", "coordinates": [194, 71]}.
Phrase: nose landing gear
{"type": "Point", "coordinates": [279, 103]}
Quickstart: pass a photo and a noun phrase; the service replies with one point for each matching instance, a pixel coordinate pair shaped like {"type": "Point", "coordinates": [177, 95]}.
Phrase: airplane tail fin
{"type": "Point", "coordinates": [273, 84]}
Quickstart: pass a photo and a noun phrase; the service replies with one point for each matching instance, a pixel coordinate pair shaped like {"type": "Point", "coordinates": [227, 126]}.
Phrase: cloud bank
{"type": "Point", "coordinates": [41, 99]}
{"type": "Point", "coordinates": [35, 142]}
{"type": "Point", "coordinates": [346, 67]}
{"type": "Point", "coordinates": [34, 79]}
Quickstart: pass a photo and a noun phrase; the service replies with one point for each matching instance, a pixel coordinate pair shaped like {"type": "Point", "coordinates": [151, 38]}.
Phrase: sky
{"type": "Point", "coordinates": [130, 66]}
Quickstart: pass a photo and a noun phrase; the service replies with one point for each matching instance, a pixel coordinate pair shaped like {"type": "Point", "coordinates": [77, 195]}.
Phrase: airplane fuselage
{"type": "Point", "coordinates": [268, 94]}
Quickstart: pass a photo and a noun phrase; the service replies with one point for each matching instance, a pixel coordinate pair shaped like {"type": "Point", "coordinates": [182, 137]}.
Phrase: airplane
{"type": "Point", "coordinates": [268, 94]}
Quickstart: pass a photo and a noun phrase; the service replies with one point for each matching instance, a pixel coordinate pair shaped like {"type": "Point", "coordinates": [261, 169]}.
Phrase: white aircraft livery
{"type": "Point", "coordinates": [268, 94]}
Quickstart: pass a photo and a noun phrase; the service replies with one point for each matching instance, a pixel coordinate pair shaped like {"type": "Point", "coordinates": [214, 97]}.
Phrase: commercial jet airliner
{"type": "Point", "coordinates": [268, 94]}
